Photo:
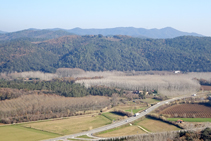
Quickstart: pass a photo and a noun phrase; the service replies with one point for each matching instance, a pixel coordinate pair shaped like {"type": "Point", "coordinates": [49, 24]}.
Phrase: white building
{"type": "Point", "coordinates": [176, 71]}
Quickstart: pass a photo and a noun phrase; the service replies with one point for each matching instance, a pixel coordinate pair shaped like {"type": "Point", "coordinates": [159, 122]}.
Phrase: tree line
{"type": "Point", "coordinates": [56, 86]}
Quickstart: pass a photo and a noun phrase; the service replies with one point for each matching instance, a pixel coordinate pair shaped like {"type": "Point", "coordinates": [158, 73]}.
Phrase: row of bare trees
{"type": "Point", "coordinates": [41, 106]}
{"type": "Point", "coordinates": [76, 72]}
{"type": "Point", "coordinates": [169, 85]}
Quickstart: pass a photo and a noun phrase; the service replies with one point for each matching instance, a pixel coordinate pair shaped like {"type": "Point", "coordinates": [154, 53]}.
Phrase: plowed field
{"type": "Point", "coordinates": [189, 111]}
{"type": "Point", "coordinates": [205, 87]}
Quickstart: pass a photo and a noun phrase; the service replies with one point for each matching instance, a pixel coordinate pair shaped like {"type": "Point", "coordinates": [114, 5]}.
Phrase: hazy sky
{"type": "Point", "coordinates": [184, 15]}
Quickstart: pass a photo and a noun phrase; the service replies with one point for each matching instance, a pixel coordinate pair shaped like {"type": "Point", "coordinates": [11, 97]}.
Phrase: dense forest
{"type": "Point", "coordinates": [98, 53]}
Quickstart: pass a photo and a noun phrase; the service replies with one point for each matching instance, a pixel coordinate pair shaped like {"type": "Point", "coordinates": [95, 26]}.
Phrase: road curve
{"type": "Point", "coordinates": [116, 124]}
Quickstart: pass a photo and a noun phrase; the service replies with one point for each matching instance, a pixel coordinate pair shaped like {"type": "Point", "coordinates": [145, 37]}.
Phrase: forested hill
{"type": "Point", "coordinates": [98, 53]}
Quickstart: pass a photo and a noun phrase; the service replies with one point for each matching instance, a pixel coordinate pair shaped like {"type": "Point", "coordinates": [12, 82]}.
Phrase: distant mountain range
{"type": "Point", "coordinates": [167, 32]}
{"type": "Point", "coordinates": [163, 33]}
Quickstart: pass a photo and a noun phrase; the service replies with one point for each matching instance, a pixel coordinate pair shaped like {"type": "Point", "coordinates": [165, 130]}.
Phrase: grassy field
{"type": "Point", "coordinates": [156, 126]}
{"type": "Point", "coordinates": [191, 119]}
{"type": "Point", "coordinates": [135, 110]}
{"type": "Point", "coordinates": [148, 124]}
{"type": "Point", "coordinates": [121, 131]}
{"type": "Point", "coordinates": [111, 116]}
{"type": "Point", "coordinates": [85, 136]}
{"type": "Point", "coordinates": [18, 133]}
{"type": "Point", "coordinates": [70, 125]}
{"type": "Point", "coordinates": [150, 100]}
{"type": "Point", "coordinates": [127, 107]}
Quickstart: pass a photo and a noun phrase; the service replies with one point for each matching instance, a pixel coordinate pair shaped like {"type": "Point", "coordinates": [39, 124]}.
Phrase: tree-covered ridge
{"type": "Point", "coordinates": [98, 53]}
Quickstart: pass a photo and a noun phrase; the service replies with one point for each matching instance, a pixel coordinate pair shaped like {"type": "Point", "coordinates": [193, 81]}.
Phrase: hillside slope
{"type": "Point", "coordinates": [98, 53]}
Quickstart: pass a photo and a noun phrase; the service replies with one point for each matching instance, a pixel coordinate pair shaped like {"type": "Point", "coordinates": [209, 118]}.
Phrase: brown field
{"type": "Point", "coordinates": [189, 111]}
{"type": "Point", "coordinates": [205, 87]}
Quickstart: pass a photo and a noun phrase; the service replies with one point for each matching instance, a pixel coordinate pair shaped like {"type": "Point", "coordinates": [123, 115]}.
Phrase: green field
{"type": "Point", "coordinates": [135, 110]}
{"type": "Point", "coordinates": [40, 130]}
{"type": "Point", "coordinates": [191, 119]}
{"type": "Point", "coordinates": [112, 116]}
{"type": "Point", "coordinates": [18, 133]}
{"type": "Point", "coordinates": [121, 131]}
{"type": "Point", "coordinates": [156, 125]}
{"type": "Point", "coordinates": [85, 136]}
{"type": "Point", "coordinates": [71, 125]}
{"type": "Point", "coordinates": [150, 100]}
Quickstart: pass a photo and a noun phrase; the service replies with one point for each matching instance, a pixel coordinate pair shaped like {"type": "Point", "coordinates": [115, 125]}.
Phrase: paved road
{"type": "Point", "coordinates": [116, 124]}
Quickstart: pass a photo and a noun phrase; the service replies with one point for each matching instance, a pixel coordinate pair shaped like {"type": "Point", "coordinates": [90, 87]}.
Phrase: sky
{"type": "Point", "coordinates": [183, 15]}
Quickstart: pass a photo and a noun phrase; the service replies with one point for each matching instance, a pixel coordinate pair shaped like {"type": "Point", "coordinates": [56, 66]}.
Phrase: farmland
{"type": "Point", "coordinates": [135, 110]}
{"type": "Point", "coordinates": [70, 125]}
{"type": "Point", "coordinates": [18, 133]}
{"type": "Point", "coordinates": [156, 126]}
{"type": "Point", "coordinates": [95, 111]}
{"type": "Point", "coordinates": [150, 125]}
{"type": "Point", "coordinates": [111, 116]}
{"type": "Point", "coordinates": [122, 131]}
{"type": "Point", "coordinates": [188, 110]}
{"type": "Point", "coordinates": [206, 88]}
{"type": "Point", "coordinates": [150, 100]}
{"type": "Point", "coordinates": [191, 119]}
